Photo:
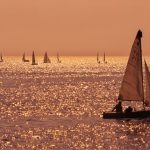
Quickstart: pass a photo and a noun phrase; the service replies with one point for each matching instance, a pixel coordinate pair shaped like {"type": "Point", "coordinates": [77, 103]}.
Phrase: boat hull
{"type": "Point", "coordinates": [135, 114]}
{"type": "Point", "coordinates": [25, 60]}
{"type": "Point", "coordinates": [34, 64]}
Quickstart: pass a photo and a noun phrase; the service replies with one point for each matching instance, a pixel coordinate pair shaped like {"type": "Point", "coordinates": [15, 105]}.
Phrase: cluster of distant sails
{"type": "Point", "coordinates": [104, 59]}
{"type": "Point", "coordinates": [46, 59]}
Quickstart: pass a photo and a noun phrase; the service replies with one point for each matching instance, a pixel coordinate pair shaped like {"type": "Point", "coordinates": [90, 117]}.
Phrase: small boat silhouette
{"type": "Point", "coordinates": [46, 58]}
{"type": "Point", "coordinates": [33, 59]}
{"type": "Point", "coordinates": [24, 58]}
{"type": "Point", "coordinates": [1, 58]}
{"type": "Point", "coordinates": [98, 61]}
{"type": "Point", "coordinates": [58, 59]}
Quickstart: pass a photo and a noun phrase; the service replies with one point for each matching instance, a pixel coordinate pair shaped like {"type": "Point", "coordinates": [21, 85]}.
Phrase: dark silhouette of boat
{"type": "Point", "coordinates": [134, 114]}
{"type": "Point", "coordinates": [33, 59]}
{"type": "Point", "coordinates": [58, 59]}
{"type": "Point", "coordinates": [98, 61]}
{"type": "Point", "coordinates": [132, 88]}
{"type": "Point", "coordinates": [105, 62]}
{"type": "Point", "coordinates": [24, 58]}
{"type": "Point", "coordinates": [1, 58]}
{"type": "Point", "coordinates": [46, 58]}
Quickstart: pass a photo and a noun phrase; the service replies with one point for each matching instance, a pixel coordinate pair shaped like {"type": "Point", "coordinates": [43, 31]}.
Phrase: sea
{"type": "Point", "coordinates": [59, 106]}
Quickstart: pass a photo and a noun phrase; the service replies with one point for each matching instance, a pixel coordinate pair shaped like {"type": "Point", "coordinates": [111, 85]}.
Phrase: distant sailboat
{"type": "Point", "coordinates": [24, 58]}
{"type": "Point", "coordinates": [46, 59]}
{"type": "Point", "coordinates": [105, 59]}
{"type": "Point", "coordinates": [33, 59]}
{"type": "Point", "coordinates": [1, 58]}
{"type": "Point", "coordinates": [58, 60]}
{"type": "Point", "coordinates": [98, 61]}
{"type": "Point", "coordinates": [132, 85]}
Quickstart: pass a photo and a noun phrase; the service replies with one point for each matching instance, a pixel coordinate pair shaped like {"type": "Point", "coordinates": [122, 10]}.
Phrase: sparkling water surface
{"type": "Point", "coordinates": [59, 106]}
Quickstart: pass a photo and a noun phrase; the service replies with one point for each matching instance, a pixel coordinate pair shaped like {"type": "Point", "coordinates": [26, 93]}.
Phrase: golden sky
{"type": "Point", "coordinates": [73, 27]}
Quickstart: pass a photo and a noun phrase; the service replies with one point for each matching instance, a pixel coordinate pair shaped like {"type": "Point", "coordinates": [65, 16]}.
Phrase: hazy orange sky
{"type": "Point", "coordinates": [73, 27]}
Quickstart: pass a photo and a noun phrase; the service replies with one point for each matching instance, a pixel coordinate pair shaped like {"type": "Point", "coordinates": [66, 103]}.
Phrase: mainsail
{"type": "Point", "coordinates": [147, 82]}
{"type": "Point", "coordinates": [46, 59]}
{"type": "Point", "coordinates": [98, 61]}
{"type": "Point", "coordinates": [132, 84]}
{"type": "Point", "coordinates": [23, 57]}
{"type": "Point", "coordinates": [33, 59]}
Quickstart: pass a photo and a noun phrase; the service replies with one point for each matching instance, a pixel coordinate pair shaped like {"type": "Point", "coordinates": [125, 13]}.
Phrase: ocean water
{"type": "Point", "coordinates": [59, 106]}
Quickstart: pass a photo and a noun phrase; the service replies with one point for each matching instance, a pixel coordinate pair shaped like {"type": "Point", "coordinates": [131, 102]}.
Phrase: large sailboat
{"type": "Point", "coordinates": [98, 61]}
{"type": "Point", "coordinates": [58, 59]}
{"type": "Point", "coordinates": [33, 59]}
{"type": "Point", "coordinates": [24, 58]}
{"type": "Point", "coordinates": [46, 58]}
{"type": "Point", "coordinates": [132, 88]}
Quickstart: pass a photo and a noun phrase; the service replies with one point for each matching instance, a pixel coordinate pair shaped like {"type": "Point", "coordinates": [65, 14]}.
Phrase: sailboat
{"type": "Point", "coordinates": [105, 62]}
{"type": "Point", "coordinates": [46, 59]}
{"type": "Point", "coordinates": [24, 58]}
{"type": "Point", "coordinates": [98, 61]}
{"type": "Point", "coordinates": [33, 59]}
{"type": "Point", "coordinates": [58, 60]}
{"type": "Point", "coordinates": [132, 88]}
{"type": "Point", "coordinates": [1, 58]}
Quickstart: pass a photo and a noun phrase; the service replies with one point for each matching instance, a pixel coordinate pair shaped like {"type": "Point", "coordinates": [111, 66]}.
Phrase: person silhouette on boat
{"type": "Point", "coordinates": [118, 107]}
{"type": "Point", "coordinates": [128, 110]}
{"type": "Point", "coordinates": [147, 103]}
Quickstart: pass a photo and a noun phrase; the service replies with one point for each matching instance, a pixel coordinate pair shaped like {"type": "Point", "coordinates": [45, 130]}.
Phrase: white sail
{"type": "Point", "coordinates": [132, 84]}
{"type": "Point", "coordinates": [147, 81]}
